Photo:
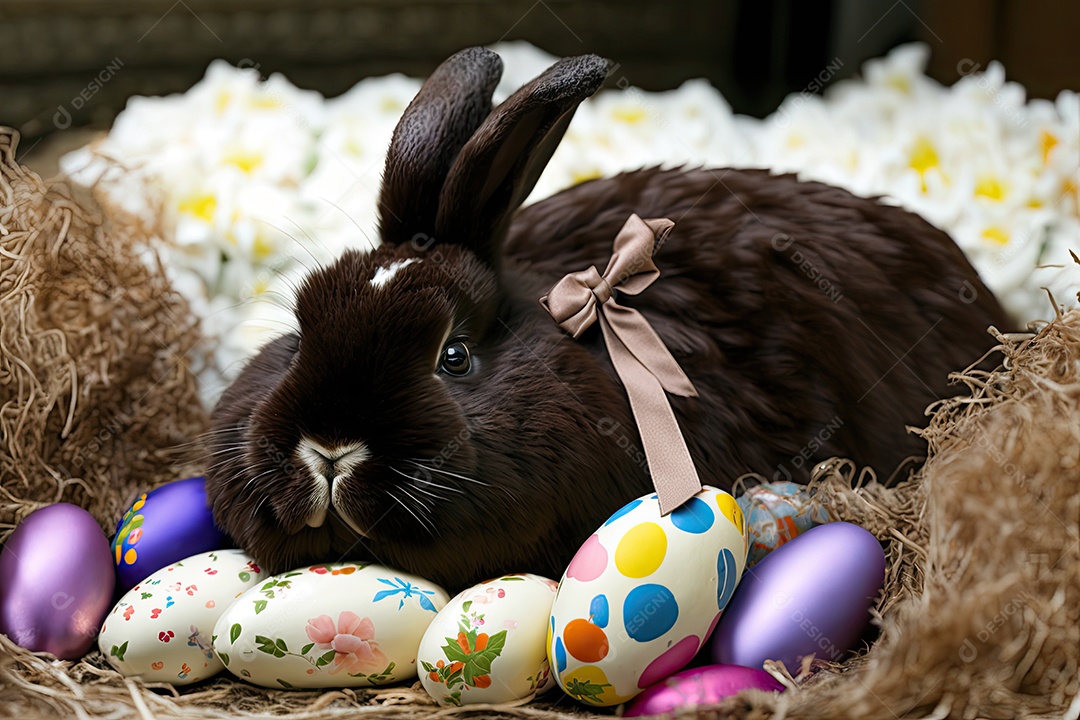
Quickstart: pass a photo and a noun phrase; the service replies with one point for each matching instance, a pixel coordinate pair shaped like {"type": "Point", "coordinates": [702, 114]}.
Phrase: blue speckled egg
{"type": "Point", "coordinates": [777, 512]}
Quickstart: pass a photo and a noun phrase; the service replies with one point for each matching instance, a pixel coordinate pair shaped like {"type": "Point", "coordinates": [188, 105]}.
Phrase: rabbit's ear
{"type": "Point", "coordinates": [498, 167]}
{"type": "Point", "coordinates": [441, 118]}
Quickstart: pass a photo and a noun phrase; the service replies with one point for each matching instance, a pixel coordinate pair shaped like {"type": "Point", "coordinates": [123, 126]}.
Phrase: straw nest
{"type": "Point", "coordinates": [980, 614]}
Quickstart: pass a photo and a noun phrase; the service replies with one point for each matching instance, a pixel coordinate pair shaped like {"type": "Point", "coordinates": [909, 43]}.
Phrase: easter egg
{"type": "Point", "coordinates": [162, 629]}
{"type": "Point", "coordinates": [775, 513]}
{"type": "Point", "coordinates": [643, 594]}
{"type": "Point", "coordinates": [334, 625]}
{"type": "Point", "coordinates": [811, 595]}
{"type": "Point", "coordinates": [489, 644]}
{"type": "Point", "coordinates": [700, 686]}
{"type": "Point", "coordinates": [56, 581]}
{"type": "Point", "coordinates": [163, 526]}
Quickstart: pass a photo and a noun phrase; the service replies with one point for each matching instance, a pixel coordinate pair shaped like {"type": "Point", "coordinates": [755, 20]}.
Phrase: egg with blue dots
{"type": "Point", "coordinates": [164, 526]}
{"type": "Point", "coordinates": [643, 593]}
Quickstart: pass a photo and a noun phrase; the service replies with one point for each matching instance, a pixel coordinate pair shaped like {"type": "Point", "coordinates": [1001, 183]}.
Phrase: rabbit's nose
{"type": "Point", "coordinates": [325, 463]}
{"type": "Point", "coordinates": [332, 461]}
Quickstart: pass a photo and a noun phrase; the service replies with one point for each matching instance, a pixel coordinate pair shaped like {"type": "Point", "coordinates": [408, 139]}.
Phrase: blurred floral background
{"type": "Point", "coordinates": [251, 180]}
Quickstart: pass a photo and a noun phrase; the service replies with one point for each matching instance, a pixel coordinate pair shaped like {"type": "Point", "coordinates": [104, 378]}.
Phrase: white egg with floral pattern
{"type": "Point", "coordinates": [489, 644]}
{"type": "Point", "coordinates": [161, 628]}
{"type": "Point", "coordinates": [332, 625]}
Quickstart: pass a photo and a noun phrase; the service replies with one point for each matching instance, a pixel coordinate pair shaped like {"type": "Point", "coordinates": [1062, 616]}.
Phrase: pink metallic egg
{"type": "Point", "coordinates": [56, 581]}
{"type": "Point", "coordinates": [700, 686]}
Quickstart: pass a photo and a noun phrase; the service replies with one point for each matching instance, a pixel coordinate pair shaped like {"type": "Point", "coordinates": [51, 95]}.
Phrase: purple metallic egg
{"type": "Point", "coordinates": [700, 686]}
{"type": "Point", "coordinates": [56, 581]}
{"type": "Point", "coordinates": [164, 526]}
{"type": "Point", "coordinates": [810, 595]}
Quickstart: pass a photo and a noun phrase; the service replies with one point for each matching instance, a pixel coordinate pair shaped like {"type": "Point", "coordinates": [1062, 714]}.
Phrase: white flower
{"type": "Point", "coordinates": [974, 159]}
{"type": "Point", "coordinates": [255, 181]}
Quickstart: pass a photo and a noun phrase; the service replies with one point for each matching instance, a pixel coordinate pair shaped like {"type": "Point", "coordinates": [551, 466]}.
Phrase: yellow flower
{"type": "Point", "coordinates": [201, 205]}
{"type": "Point", "coordinates": [996, 235]}
{"type": "Point", "coordinates": [991, 188]}
{"type": "Point", "coordinates": [630, 115]}
{"type": "Point", "coordinates": [923, 158]}
{"type": "Point", "coordinates": [246, 160]}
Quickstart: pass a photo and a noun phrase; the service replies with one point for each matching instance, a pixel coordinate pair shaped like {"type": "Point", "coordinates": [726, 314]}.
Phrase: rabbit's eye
{"type": "Point", "coordinates": [455, 359]}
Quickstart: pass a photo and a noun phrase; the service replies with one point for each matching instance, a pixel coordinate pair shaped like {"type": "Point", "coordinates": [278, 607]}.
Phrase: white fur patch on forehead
{"type": "Point", "coordinates": [384, 275]}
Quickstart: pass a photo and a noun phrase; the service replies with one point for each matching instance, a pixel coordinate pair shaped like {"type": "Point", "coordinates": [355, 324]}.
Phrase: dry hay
{"type": "Point", "coordinates": [980, 616]}
{"type": "Point", "coordinates": [94, 386]}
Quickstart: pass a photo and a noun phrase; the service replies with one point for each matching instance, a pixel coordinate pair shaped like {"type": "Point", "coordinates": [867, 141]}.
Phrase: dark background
{"type": "Point", "coordinates": [51, 51]}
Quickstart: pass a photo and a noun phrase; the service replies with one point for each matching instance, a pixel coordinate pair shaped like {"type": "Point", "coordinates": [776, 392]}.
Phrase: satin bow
{"type": "Point", "coordinates": [640, 357]}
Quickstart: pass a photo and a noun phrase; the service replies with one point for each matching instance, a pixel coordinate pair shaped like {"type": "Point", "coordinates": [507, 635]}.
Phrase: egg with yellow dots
{"type": "Point", "coordinates": [643, 594]}
{"type": "Point", "coordinates": [161, 527]}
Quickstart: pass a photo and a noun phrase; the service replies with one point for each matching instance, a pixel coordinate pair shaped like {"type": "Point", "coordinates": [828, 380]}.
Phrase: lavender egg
{"type": "Point", "coordinates": [56, 581]}
{"type": "Point", "coordinates": [162, 527]}
{"type": "Point", "coordinates": [700, 686]}
{"type": "Point", "coordinates": [810, 595]}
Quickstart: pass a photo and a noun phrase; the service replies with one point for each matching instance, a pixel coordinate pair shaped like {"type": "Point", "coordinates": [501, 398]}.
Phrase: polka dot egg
{"type": "Point", "coordinates": [643, 594]}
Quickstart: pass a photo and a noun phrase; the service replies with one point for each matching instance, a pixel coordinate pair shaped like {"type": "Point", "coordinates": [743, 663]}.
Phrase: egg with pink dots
{"type": "Point", "coordinates": [643, 593]}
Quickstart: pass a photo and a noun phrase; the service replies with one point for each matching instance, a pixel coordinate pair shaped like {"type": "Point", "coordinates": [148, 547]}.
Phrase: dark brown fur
{"type": "Point", "coordinates": [812, 322]}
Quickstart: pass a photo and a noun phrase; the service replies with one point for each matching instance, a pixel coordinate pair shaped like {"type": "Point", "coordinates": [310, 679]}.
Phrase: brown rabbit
{"type": "Point", "coordinates": [430, 415]}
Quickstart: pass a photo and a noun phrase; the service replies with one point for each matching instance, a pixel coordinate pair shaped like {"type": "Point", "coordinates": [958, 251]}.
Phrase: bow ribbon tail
{"type": "Point", "coordinates": [638, 338]}
{"type": "Point", "coordinates": [673, 473]}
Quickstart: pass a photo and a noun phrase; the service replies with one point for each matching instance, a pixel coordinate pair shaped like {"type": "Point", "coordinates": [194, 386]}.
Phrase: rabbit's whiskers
{"type": "Point", "coordinates": [513, 496]}
{"type": "Point", "coordinates": [262, 474]}
{"type": "Point", "coordinates": [428, 481]}
{"type": "Point", "coordinates": [412, 483]}
{"type": "Point", "coordinates": [229, 449]}
{"type": "Point", "coordinates": [424, 520]}
{"type": "Point", "coordinates": [415, 484]}
{"type": "Point", "coordinates": [258, 506]}
{"type": "Point", "coordinates": [449, 474]}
